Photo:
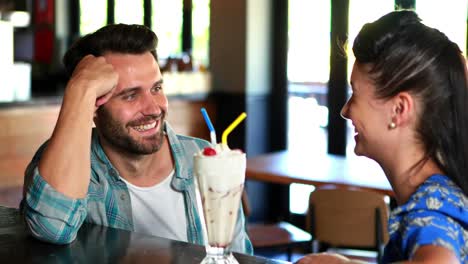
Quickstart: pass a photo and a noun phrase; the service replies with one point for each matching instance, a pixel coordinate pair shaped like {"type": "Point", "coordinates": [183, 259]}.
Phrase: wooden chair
{"type": "Point", "coordinates": [275, 236]}
{"type": "Point", "coordinates": [348, 218]}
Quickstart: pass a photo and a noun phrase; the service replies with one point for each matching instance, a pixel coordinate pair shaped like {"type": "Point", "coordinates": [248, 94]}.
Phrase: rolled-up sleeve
{"type": "Point", "coordinates": [49, 215]}
{"type": "Point", "coordinates": [432, 228]}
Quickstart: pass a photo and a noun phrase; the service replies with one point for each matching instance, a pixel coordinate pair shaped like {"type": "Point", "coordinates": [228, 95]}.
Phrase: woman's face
{"type": "Point", "coordinates": [370, 116]}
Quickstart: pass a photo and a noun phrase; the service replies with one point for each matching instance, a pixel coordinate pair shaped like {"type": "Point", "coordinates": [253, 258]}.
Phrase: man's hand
{"type": "Point", "coordinates": [91, 85]}
{"type": "Point", "coordinates": [96, 74]}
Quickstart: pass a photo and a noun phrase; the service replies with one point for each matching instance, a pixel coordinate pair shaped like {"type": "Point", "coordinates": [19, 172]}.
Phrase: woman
{"type": "Point", "coordinates": [410, 112]}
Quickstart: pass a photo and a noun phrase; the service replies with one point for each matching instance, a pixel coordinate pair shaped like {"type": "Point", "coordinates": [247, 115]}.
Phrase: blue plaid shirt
{"type": "Point", "coordinates": [54, 217]}
{"type": "Point", "coordinates": [436, 214]}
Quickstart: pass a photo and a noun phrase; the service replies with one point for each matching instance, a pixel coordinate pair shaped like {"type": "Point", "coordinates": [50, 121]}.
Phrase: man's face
{"type": "Point", "coordinates": [132, 120]}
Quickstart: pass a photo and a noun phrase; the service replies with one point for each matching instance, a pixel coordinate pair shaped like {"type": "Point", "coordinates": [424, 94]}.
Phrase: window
{"type": "Point", "coordinates": [201, 32]}
{"type": "Point", "coordinates": [309, 41]}
{"type": "Point", "coordinates": [448, 17]}
{"type": "Point", "coordinates": [129, 11]}
{"type": "Point", "coordinates": [93, 15]}
{"type": "Point", "coordinates": [167, 23]}
{"type": "Point", "coordinates": [308, 73]}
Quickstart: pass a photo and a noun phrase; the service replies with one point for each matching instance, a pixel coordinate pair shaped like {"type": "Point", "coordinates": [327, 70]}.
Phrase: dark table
{"type": "Point", "coordinates": [98, 244]}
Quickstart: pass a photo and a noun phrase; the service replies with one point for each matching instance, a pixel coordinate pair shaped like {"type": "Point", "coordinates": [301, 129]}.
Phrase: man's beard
{"type": "Point", "coordinates": [117, 134]}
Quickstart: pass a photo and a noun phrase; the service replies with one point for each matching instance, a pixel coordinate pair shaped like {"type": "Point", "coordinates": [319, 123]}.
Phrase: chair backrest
{"type": "Point", "coordinates": [348, 217]}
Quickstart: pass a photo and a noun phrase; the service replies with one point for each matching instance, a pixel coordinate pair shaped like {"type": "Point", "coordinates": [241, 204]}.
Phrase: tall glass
{"type": "Point", "coordinates": [220, 181]}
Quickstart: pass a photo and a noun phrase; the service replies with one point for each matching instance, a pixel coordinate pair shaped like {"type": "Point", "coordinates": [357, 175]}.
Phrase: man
{"type": "Point", "coordinates": [137, 174]}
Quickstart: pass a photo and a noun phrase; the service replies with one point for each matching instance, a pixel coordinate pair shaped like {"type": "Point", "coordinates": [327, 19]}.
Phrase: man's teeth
{"type": "Point", "coordinates": [145, 127]}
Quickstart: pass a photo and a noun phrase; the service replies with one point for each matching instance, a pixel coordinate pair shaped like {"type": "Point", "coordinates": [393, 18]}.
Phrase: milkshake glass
{"type": "Point", "coordinates": [220, 173]}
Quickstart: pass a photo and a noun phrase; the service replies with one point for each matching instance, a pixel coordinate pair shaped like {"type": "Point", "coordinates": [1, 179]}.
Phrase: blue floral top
{"type": "Point", "coordinates": [436, 214]}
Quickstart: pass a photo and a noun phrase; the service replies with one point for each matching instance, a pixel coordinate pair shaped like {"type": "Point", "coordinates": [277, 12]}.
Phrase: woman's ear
{"type": "Point", "coordinates": [403, 109]}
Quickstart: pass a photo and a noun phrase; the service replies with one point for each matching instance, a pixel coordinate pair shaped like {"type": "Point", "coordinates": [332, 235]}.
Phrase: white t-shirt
{"type": "Point", "coordinates": [158, 210]}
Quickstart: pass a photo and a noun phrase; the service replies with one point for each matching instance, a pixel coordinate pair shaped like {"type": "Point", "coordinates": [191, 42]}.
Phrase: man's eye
{"type": "Point", "coordinates": [157, 88]}
{"type": "Point", "coordinates": [129, 97]}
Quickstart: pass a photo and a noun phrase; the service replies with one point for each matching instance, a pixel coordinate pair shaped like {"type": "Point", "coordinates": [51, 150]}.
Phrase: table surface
{"type": "Point", "coordinates": [99, 244]}
{"type": "Point", "coordinates": [286, 167]}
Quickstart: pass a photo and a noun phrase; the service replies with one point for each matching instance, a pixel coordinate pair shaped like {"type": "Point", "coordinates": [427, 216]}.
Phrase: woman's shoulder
{"type": "Point", "coordinates": [436, 214]}
{"type": "Point", "coordinates": [437, 195]}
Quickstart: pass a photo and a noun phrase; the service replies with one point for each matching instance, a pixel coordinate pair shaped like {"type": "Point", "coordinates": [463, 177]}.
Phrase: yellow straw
{"type": "Point", "coordinates": [231, 127]}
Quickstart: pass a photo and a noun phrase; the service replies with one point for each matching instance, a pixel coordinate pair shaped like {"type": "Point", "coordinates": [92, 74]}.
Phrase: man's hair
{"type": "Point", "coordinates": [118, 38]}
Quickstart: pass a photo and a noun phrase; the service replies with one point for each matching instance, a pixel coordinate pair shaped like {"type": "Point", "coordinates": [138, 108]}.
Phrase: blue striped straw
{"type": "Point", "coordinates": [210, 126]}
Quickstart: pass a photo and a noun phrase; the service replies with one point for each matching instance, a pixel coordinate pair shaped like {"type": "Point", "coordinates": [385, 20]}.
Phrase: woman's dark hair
{"type": "Point", "coordinates": [406, 55]}
{"type": "Point", "coordinates": [119, 38]}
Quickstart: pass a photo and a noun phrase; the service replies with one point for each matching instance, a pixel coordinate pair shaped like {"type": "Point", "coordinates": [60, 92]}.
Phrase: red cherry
{"type": "Point", "coordinates": [209, 151]}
